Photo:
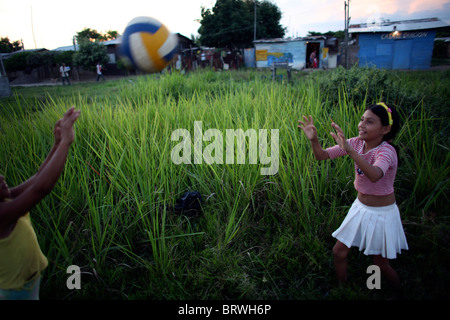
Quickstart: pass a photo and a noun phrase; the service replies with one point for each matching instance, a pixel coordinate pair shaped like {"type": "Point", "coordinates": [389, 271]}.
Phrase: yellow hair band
{"type": "Point", "coordinates": [389, 111]}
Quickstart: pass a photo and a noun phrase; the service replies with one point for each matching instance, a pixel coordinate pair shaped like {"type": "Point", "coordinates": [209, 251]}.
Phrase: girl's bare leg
{"type": "Point", "coordinates": [389, 273]}
{"type": "Point", "coordinates": [340, 253]}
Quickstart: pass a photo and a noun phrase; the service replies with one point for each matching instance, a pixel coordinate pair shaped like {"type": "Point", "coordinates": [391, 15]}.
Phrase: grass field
{"type": "Point", "coordinates": [259, 236]}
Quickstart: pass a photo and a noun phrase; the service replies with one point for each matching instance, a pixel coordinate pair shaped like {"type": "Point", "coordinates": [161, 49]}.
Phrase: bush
{"type": "Point", "coordinates": [25, 61]}
{"type": "Point", "coordinates": [38, 59]}
{"type": "Point", "coordinates": [64, 57]}
{"type": "Point", "coordinates": [359, 84]}
{"type": "Point", "coordinates": [404, 89]}
{"type": "Point", "coordinates": [17, 62]}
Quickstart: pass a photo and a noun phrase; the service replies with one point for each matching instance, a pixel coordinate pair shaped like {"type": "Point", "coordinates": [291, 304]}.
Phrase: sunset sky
{"type": "Point", "coordinates": [50, 24]}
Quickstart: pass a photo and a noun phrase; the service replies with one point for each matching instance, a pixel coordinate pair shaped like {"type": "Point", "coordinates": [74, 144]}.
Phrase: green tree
{"type": "Point", "coordinates": [110, 35]}
{"type": "Point", "coordinates": [230, 23]}
{"type": "Point", "coordinates": [87, 35]}
{"type": "Point", "coordinates": [91, 50]}
{"type": "Point", "coordinates": [6, 46]}
{"type": "Point", "coordinates": [89, 54]}
{"type": "Point", "coordinates": [92, 35]}
{"type": "Point", "coordinates": [331, 34]}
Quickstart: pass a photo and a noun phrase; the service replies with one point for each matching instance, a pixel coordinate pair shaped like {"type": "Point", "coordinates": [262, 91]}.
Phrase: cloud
{"type": "Point", "coordinates": [421, 5]}
{"type": "Point", "coordinates": [393, 10]}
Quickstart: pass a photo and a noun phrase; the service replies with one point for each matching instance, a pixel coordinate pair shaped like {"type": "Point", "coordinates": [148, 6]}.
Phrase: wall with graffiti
{"type": "Point", "coordinates": [293, 51]}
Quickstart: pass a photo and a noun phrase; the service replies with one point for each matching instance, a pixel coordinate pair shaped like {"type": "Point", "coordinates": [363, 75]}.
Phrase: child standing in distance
{"type": "Point", "coordinates": [99, 71]}
{"type": "Point", "coordinates": [373, 222]}
{"type": "Point", "coordinates": [21, 259]}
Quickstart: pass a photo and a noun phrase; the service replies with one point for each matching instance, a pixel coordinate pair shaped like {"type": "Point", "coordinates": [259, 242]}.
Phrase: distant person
{"type": "Point", "coordinates": [21, 259]}
{"type": "Point", "coordinates": [64, 73]}
{"type": "Point", "coordinates": [312, 56]}
{"type": "Point", "coordinates": [99, 72]}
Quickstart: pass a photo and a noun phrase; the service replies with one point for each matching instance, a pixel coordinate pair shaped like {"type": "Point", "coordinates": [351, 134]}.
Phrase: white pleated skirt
{"type": "Point", "coordinates": [375, 230]}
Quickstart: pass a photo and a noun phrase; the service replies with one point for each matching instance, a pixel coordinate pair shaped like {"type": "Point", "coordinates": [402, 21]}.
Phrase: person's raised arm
{"type": "Point", "coordinates": [43, 183]}
{"type": "Point", "coordinates": [17, 190]}
{"type": "Point", "coordinates": [373, 173]}
{"type": "Point", "coordinates": [307, 126]}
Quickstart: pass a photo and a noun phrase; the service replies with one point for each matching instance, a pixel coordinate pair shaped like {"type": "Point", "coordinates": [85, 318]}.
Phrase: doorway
{"type": "Point", "coordinates": [310, 48]}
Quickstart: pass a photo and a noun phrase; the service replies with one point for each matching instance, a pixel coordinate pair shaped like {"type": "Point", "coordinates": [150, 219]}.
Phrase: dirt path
{"type": "Point", "coordinates": [59, 82]}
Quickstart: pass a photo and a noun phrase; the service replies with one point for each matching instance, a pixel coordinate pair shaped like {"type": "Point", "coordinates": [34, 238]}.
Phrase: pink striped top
{"type": "Point", "coordinates": [384, 156]}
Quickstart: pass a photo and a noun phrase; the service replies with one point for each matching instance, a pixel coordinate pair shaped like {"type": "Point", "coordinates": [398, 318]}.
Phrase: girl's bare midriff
{"type": "Point", "coordinates": [376, 201]}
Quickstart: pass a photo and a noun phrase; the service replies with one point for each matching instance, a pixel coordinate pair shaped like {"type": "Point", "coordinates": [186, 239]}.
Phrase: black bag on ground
{"type": "Point", "coordinates": [189, 204]}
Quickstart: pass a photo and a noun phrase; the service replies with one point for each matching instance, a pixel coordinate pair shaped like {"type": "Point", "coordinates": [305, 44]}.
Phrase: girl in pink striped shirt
{"type": "Point", "coordinates": [373, 222]}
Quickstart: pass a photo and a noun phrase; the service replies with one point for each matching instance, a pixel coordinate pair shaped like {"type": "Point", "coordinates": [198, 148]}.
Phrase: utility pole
{"type": "Point", "coordinates": [32, 28]}
{"type": "Point", "coordinates": [254, 32]}
{"type": "Point", "coordinates": [347, 20]}
{"type": "Point", "coordinates": [254, 24]}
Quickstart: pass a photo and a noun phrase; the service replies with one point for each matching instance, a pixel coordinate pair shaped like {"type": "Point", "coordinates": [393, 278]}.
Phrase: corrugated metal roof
{"type": "Point", "coordinates": [113, 41]}
{"type": "Point", "coordinates": [405, 25]}
{"type": "Point", "coordinates": [290, 39]}
{"type": "Point", "coordinates": [106, 43]}
{"type": "Point", "coordinates": [65, 48]}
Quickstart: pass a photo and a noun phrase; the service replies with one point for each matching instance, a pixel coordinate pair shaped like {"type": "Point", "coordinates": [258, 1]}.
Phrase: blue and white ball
{"type": "Point", "coordinates": [148, 45]}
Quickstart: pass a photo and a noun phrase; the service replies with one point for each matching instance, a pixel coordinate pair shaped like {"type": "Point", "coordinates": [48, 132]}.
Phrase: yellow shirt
{"type": "Point", "coordinates": [21, 258]}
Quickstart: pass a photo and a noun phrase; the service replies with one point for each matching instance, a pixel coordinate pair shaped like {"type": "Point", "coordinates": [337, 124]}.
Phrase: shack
{"type": "Point", "coordinates": [404, 44]}
{"type": "Point", "coordinates": [296, 52]}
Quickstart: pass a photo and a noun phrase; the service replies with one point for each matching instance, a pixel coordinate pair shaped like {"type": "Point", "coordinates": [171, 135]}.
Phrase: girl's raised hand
{"type": "Point", "coordinates": [307, 125]}
{"type": "Point", "coordinates": [340, 137]}
{"type": "Point", "coordinates": [65, 128]}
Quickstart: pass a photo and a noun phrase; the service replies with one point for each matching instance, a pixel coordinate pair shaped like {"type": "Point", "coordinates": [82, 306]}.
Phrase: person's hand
{"type": "Point", "coordinates": [57, 132]}
{"type": "Point", "coordinates": [340, 137]}
{"type": "Point", "coordinates": [307, 125]}
{"type": "Point", "coordinates": [64, 127]}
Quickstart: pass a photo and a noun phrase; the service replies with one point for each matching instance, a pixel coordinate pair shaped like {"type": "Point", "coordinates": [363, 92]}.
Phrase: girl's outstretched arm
{"type": "Point", "coordinates": [44, 181]}
{"type": "Point", "coordinates": [307, 125]}
{"type": "Point", "coordinates": [16, 191]}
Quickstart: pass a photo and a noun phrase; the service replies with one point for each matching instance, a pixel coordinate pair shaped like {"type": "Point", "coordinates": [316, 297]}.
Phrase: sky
{"type": "Point", "coordinates": [50, 24]}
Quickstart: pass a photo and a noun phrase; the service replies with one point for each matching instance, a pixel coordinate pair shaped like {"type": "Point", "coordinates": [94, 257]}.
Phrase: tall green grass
{"type": "Point", "coordinates": [258, 237]}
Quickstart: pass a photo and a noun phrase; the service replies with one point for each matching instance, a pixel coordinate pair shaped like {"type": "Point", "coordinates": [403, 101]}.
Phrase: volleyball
{"type": "Point", "coordinates": [147, 45]}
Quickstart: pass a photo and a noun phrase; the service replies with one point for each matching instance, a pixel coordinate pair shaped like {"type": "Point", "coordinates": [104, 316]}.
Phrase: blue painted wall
{"type": "Point", "coordinates": [407, 50]}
